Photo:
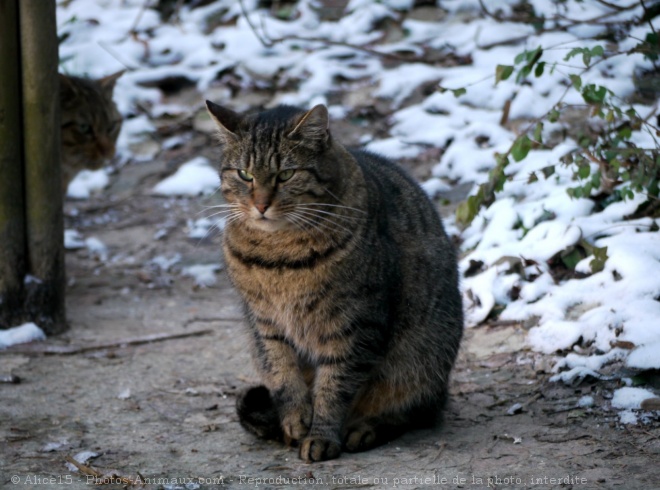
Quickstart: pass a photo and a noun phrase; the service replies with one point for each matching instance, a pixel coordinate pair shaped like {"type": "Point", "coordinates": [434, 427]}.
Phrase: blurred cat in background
{"type": "Point", "coordinates": [90, 124]}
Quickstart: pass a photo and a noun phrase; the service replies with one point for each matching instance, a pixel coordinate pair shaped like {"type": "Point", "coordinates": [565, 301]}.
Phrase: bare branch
{"type": "Point", "coordinates": [268, 42]}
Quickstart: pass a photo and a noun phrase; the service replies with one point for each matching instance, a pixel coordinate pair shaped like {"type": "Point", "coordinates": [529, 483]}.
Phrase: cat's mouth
{"type": "Point", "coordinates": [270, 224]}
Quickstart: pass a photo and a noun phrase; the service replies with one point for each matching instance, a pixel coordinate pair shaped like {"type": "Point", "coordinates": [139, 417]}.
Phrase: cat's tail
{"type": "Point", "coordinates": [257, 413]}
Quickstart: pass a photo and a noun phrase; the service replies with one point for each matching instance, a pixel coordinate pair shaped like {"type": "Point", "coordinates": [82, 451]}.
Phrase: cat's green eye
{"type": "Point", "coordinates": [84, 128]}
{"type": "Point", "coordinates": [245, 175]}
{"type": "Point", "coordinates": [285, 175]}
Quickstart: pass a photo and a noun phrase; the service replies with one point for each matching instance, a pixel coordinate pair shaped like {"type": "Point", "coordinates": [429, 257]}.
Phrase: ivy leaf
{"type": "Point", "coordinates": [576, 81]}
{"type": "Point", "coordinates": [538, 132]}
{"type": "Point", "coordinates": [553, 115]}
{"type": "Point", "coordinates": [597, 264]}
{"type": "Point", "coordinates": [584, 171]}
{"type": "Point", "coordinates": [502, 72]}
{"type": "Point", "coordinates": [521, 148]}
{"type": "Point", "coordinates": [573, 52]}
{"type": "Point", "coordinates": [572, 257]}
{"type": "Point", "coordinates": [539, 69]}
{"type": "Point", "coordinates": [594, 94]}
{"type": "Point", "coordinates": [650, 47]}
{"type": "Point", "coordinates": [468, 209]}
{"type": "Point", "coordinates": [533, 56]}
{"type": "Point", "coordinates": [625, 132]}
{"type": "Point", "coordinates": [548, 171]}
{"type": "Point", "coordinates": [597, 51]}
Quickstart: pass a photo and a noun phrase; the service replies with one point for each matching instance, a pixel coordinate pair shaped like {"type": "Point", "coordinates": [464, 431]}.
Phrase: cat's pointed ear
{"type": "Point", "coordinates": [67, 87]}
{"type": "Point", "coordinates": [108, 83]}
{"type": "Point", "coordinates": [226, 120]}
{"type": "Point", "coordinates": [314, 125]}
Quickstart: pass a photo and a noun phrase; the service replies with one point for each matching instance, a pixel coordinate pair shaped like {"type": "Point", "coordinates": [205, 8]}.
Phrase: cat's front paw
{"type": "Point", "coordinates": [317, 448]}
{"type": "Point", "coordinates": [296, 423]}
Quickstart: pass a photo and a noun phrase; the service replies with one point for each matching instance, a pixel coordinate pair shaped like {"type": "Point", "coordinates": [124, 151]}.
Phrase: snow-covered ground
{"type": "Point", "coordinates": [610, 314]}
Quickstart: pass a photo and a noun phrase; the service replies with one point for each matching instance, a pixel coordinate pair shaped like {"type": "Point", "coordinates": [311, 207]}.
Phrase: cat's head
{"type": "Point", "coordinates": [90, 121]}
{"type": "Point", "coordinates": [276, 172]}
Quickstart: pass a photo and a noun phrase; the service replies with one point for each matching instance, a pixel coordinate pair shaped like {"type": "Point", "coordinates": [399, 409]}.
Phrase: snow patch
{"type": "Point", "coordinates": [191, 179]}
{"type": "Point", "coordinates": [28, 332]}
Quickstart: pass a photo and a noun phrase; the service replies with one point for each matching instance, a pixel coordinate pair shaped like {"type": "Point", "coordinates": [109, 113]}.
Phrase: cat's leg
{"type": "Point", "coordinates": [335, 385]}
{"type": "Point", "coordinates": [384, 411]}
{"type": "Point", "coordinates": [278, 365]}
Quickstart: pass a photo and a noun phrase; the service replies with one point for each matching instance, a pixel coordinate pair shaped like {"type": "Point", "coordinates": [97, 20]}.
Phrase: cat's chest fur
{"type": "Point", "coordinates": [290, 283]}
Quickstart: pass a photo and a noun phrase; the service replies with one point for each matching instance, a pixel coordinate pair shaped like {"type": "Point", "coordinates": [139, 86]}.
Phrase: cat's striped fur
{"type": "Point", "coordinates": [349, 283]}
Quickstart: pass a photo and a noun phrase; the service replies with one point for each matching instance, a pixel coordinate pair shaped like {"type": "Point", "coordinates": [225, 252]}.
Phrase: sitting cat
{"type": "Point", "coordinates": [90, 124]}
{"type": "Point", "coordinates": [349, 284]}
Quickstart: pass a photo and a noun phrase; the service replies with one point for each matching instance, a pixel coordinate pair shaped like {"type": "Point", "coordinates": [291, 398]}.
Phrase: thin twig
{"type": "Point", "coordinates": [268, 42]}
{"type": "Point", "coordinates": [112, 53]}
{"type": "Point", "coordinates": [133, 28]}
{"type": "Point", "coordinates": [67, 350]}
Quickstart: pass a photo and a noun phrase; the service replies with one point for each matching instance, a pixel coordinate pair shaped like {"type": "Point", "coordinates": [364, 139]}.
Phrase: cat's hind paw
{"type": "Point", "coordinates": [361, 438]}
{"type": "Point", "coordinates": [316, 448]}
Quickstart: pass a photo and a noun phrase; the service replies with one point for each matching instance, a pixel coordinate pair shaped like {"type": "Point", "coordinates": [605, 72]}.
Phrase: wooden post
{"type": "Point", "coordinates": [12, 215]}
{"type": "Point", "coordinates": [45, 286]}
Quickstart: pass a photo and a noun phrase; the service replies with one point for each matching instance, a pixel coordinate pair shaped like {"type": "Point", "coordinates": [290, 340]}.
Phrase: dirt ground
{"type": "Point", "coordinates": [161, 413]}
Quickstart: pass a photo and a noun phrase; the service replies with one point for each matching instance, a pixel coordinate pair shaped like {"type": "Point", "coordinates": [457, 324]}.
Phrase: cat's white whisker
{"type": "Point", "coordinates": [225, 211]}
{"type": "Point", "coordinates": [314, 214]}
{"type": "Point", "coordinates": [324, 223]}
{"type": "Point", "coordinates": [328, 213]}
{"type": "Point", "coordinates": [336, 206]}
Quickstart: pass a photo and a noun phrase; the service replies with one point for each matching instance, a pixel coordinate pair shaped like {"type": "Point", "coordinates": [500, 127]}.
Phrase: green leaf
{"type": "Point", "coordinates": [576, 81]}
{"type": "Point", "coordinates": [553, 115]}
{"type": "Point", "coordinates": [548, 171]}
{"type": "Point", "coordinates": [625, 132]}
{"type": "Point", "coordinates": [597, 51]}
{"type": "Point", "coordinates": [597, 264]}
{"type": "Point", "coordinates": [594, 94]}
{"type": "Point", "coordinates": [468, 209]}
{"type": "Point", "coordinates": [586, 57]}
{"type": "Point", "coordinates": [458, 91]}
{"type": "Point", "coordinates": [572, 257]}
{"type": "Point", "coordinates": [523, 72]}
{"type": "Point", "coordinates": [532, 178]}
{"type": "Point", "coordinates": [609, 117]}
{"type": "Point", "coordinates": [502, 72]}
{"type": "Point", "coordinates": [573, 52]}
{"type": "Point", "coordinates": [538, 132]}
{"type": "Point", "coordinates": [539, 69]}
{"type": "Point", "coordinates": [533, 56]}
{"type": "Point", "coordinates": [520, 57]}
{"type": "Point", "coordinates": [521, 148]}
{"type": "Point", "coordinates": [498, 178]}
{"type": "Point", "coordinates": [584, 171]}
{"type": "Point", "coordinates": [650, 47]}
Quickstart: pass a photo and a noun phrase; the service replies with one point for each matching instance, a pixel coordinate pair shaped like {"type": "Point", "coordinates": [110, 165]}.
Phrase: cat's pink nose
{"type": "Point", "coordinates": [261, 207]}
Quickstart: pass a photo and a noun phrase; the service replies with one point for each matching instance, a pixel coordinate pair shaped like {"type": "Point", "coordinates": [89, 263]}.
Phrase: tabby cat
{"type": "Point", "coordinates": [349, 284]}
{"type": "Point", "coordinates": [90, 124]}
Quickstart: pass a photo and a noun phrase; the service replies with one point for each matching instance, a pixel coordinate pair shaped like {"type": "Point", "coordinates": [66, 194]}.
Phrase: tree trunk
{"type": "Point", "coordinates": [45, 287]}
{"type": "Point", "coordinates": [12, 216]}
